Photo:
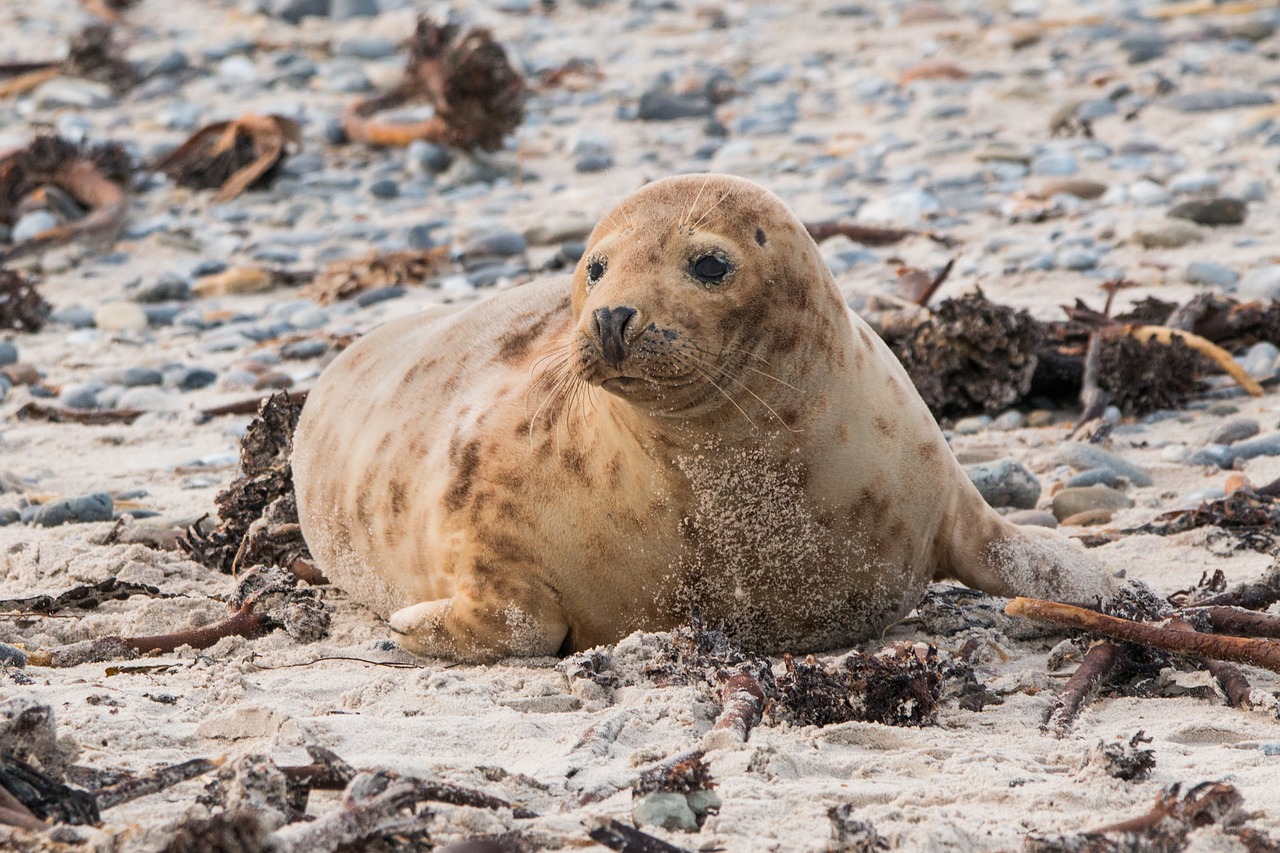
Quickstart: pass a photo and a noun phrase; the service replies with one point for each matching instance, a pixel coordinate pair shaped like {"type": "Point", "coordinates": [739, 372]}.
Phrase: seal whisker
{"type": "Point", "coordinates": [727, 375]}
{"type": "Point", "coordinates": [709, 209]}
{"type": "Point", "coordinates": [763, 373]}
{"type": "Point", "coordinates": [716, 385]}
{"type": "Point", "coordinates": [684, 220]}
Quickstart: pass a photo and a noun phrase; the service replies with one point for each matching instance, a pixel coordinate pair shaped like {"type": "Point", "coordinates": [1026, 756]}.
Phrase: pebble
{"type": "Point", "coordinates": [8, 353]}
{"type": "Point", "coordinates": [138, 377]}
{"type": "Point", "coordinates": [1069, 502]}
{"type": "Point", "coordinates": [1005, 483]}
{"type": "Point", "coordinates": [1056, 163]}
{"type": "Point", "coordinates": [427, 158]}
{"type": "Point", "coordinates": [593, 163]}
{"type": "Point", "coordinates": [1032, 518]}
{"type": "Point", "coordinates": [1171, 235]}
{"type": "Point", "coordinates": [657, 105]}
{"type": "Point", "coordinates": [120, 317]}
{"type": "Point", "coordinates": [1214, 211]}
{"type": "Point", "coordinates": [1209, 274]}
{"type": "Point", "coordinates": [1267, 445]}
{"type": "Point", "coordinates": [1012, 419]}
{"type": "Point", "coordinates": [149, 398]}
{"type": "Point", "coordinates": [11, 655]}
{"type": "Point", "coordinates": [72, 92]}
{"type": "Point", "coordinates": [192, 378]}
{"type": "Point", "coordinates": [170, 287]}
{"type": "Point", "coordinates": [32, 224]}
{"type": "Point", "coordinates": [365, 47]}
{"type": "Point", "coordinates": [900, 209]}
{"type": "Point", "coordinates": [1143, 47]}
{"type": "Point", "coordinates": [1260, 283]}
{"type": "Point", "coordinates": [384, 188]}
{"type": "Point", "coordinates": [1236, 429]}
{"type": "Point", "coordinates": [1218, 455]}
{"type": "Point", "coordinates": [667, 810]}
{"type": "Point", "coordinates": [1192, 500]}
{"type": "Point", "coordinates": [1193, 183]}
{"type": "Point", "coordinates": [1216, 99]}
{"type": "Point", "coordinates": [308, 318]}
{"type": "Point", "coordinates": [301, 350]}
{"type": "Point", "coordinates": [1092, 477]}
{"type": "Point", "coordinates": [1178, 453]}
{"type": "Point", "coordinates": [1261, 361]}
{"type": "Point", "coordinates": [80, 395]}
{"type": "Point", "coordinates": [1147, 193]}
{"type": "Point", "coordinates": [973, 424]}
{"type": "Point", "coordinates": [343, 10]}
{"type": "Point", "coordinates": [82, 508]}
{"type": "Point", "coordinates": [294, 11]}
{"type": "Point", "coordinates": [499, 243]}
{"type": "Point", "coordinates": [237, 69]}
{"type": "Point", "coordinates": [1083, 457]}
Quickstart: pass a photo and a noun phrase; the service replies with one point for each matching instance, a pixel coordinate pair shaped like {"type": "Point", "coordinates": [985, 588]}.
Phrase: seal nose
{"type": "Point", "coordinates": [610, 325]}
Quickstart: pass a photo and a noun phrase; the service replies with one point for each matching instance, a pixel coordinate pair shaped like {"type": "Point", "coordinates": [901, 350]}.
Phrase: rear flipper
{"type": "Point", "coordinates": [459, 628]}
{"type": "Point", "coordinates": [1037, 562]}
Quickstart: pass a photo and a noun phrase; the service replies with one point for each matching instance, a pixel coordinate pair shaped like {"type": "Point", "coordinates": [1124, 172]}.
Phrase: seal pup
{"type": "Point", "coordinates": [693, 418]}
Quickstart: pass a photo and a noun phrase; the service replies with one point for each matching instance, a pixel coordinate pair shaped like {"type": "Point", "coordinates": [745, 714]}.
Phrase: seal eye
{"type": "Point", "coordinates": [595, 269]}
{"type": "Point", "coordinates": [710, 269]}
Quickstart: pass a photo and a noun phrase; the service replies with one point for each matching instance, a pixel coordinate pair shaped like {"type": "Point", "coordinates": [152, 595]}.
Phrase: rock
{"type": "Point", "coordinates": [1193, 183]}
{"type": "Point", "coordinates": [666, 810]}
{"type": "Point", "coordinates": [308, 319]}
{"type": "Point", "coordinates": [72, 92]}
{"type": "Point", "coordinates": [427, 158]}
{"type": "Point", "coordinates": [1216, 99]}
{"type": "Point", "coordinates": [138, 377]}
{"type": "Point", "coordinates": [499, 243]}
{"type": "Point", "coordinates": [11, 655]}
{"type": "Point", "coordinates": [365, 47]}
{"type": "Point", "coordinates": [234, 280]}
{"type": "Point", "coordinates": [419, 237]}
{"type": "Point", "coordinates": [32, 224]}
{"type": "Point", "coordinates": [1057, 163]}
{"type": "Point", "coordinates": [1236, 429]}
{"type": "Point", "coordinates": [1261, 361]}
{"type": "Point", "coordinates": [1083, 456]}
{"type": "Point", "coordinates": [1214, 211]}
{"type": "Point", "coordinates": [1217, 455]}
{"type": "Point", "coordinates": [593, 163]}
{"type": "Point", "coordinates": [901, 209]}
{"type": "Point", "coordinates": [8, 353]}
{"type": "Point", "coordinates": [80, 395]}
{"type": "Point", "coordinates": [972, 425]}
{"type": "Point", "coordinates": [1005, 483]}
{"type": "Point", "coordinates": [1092, 477]}
{"type": "Point", "coordinates": [661, 105]}
{"type": "Point", "coordinates": [1143, 47]}
{"type": "Point", "coordinates": [1147, 192]}
{"type": "Point", "coordinates": [302, 350]}
{"type": "Point", "coordinates": [294, 11]}
{"type": "Point", "coordinates": [1089, 517]}
{"type": "Point", "coordinates": [237, 69]}
{"type": "Point", "coordinates": [586, 142]}
{"type": "Point", "coordinates": [149, 398]}
{"type": "Point", "coordinates": [1069, 502]}
{"type": "Point", "coordinates": [1078, 187]}
{"type": "Point", "coordinates": [342, 10]}
{"type": "Point", "coordinates": [1171, 235]}
{"type": "Point", "coordinates": [82, 508]}
{"type": "Point", "coordinates": [1032, 518]}
{"type": "Point", "coordinates": [120, 317]}
{"type": "Point", "coordinates": [170, 287]}
{"type": "Point", "coordinates": [1267, 445]}
{"type": "Point", "coordinates": [384, 188]}
{"type": "Point", "coordinates": [1209, 274]}
{"type": "Point", "coordinates": [1260, 283]}
{"type": "Point", "coordinates": [193, 378]}
{"type": "Point", "coordinates": [1178, 453]}
{"type": "Point", "coordinates": [1077, 259]}
{"type": "Point", "coordinates": [1012, 419]}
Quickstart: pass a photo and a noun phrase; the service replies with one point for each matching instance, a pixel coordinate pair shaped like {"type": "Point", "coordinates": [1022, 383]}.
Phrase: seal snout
{"type": "Point", "coordinates": [611, 325]}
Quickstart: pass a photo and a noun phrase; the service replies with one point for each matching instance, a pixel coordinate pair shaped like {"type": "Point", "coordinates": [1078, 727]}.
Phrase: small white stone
{"type": "Point", "coordinates": [120, 317]}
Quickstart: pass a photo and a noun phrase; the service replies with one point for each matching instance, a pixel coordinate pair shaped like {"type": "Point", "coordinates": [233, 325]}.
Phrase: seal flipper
{"type": "Point", "coordinates": [460, 629]}
{"type": "Point", "coordinates": [983, 551]}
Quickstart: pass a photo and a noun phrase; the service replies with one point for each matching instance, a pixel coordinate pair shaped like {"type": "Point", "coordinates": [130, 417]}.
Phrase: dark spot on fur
{"type": "Point", "coordinates": [399, 497]}
{"type": "Point", "coordinates": [463, 476]}
{"type": "Point", "coordinates": [842, 433]}
{"type": "Point", "coordinates": [760, 238]}
{"type": "Point", "coordinates": [928, 450]}
{"type": "Point", "coordinates": [505, 548]}
{"type": "Point", "coordinates": [614, 470]}
{"type": "Point", "coordinates": [866, 338]}
{"type": "Point", "coordinates": [385, 442]}
{"type": "Point", "coordinates": [451, 384]}
{"type": "Point", "coordinates": [574, 462]}
{"type": "Point", "coordinates": [883, 425]}
{"type": "Point", "coordinates": [514, 345]}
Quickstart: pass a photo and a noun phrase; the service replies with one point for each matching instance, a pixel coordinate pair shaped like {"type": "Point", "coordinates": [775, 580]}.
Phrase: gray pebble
{"type": "Point", "coordinates": [1193, 183]}
{"type": "Point", "coordinates": [1237, 429]}
{"type": "Point", "coordinates": [1092, 477]}
{"type": "Point", "coordinates": [1083, 456]}
{"type": "Point", "coordinates": [193, 378]}
{"type": "Point", "coordinates": [1005, 482]}
{"type": "Point", "coordinates": [11, 655]}
{"type": "Point", "coordinates": [419, 237]}
{"type": "Point", "coordinates": [1192, 500]}
{"type": "Point", "coordinates": [346, 81]}
{"type": "Point", "coordinates": [1217, 455]}
{"type": "Point", "coordinates": [81, 395]}
{"type": "Point", "coordinates": [1078, 259]}
{"type": "Point", "coordinates": [1210, 274]}
{"type": "Point", "coordinates": [422, 157]}
{"type": "Point", "coordinates": [9, 516]}
{"type": "Point", "coordinates": [1267, 445]}
{"type": "Point", "coordinates": [333, 131]}
{"type": "Point", "coordinates": [973, 424]}
{"type": "Point", "coordinates": [78, 317]}
{"type": "Point", "coordinates": [342, 10]}
{"type": "Point", "coordinates": [294, 11]}
{"type": "Point", "coordinates": [1216, 99]}
{"type": "Point", "coordinates": [384, 188]}
{"type": "Point", "coordinates": [304, 349]}
{"type": "Point", "coordinates": [82, 508]}
{"type": "Point", "coordinates": [593, 163]}
{"type": "Point", "coordinates": [379, 294]}
{"type": "Point", "coordinates": [32, 224]}
{"type": "Point", "coordinates": [1261, 361]}
{"type": "Point", "coordinates": [169, 287]}
{"type": "Point", "coordinates": [149, 399]}
{"type": "Point", "coordinates": [1260, 283]}
{"type": "Point", "coordinates": [668, 106]}
{"type": "Point", "coordinates": [308, 318]}
{"type": "Point", "coordinates": [161, 315]}
{"type": "Point", "coordinates": [1012, 419]}
{"type": "Point", "coordinates": [365, 47]}
{"type": "Point", "coordinates": [1058, 163]}
{"type": "Point", "coordinates": [668, 810]}
{"type": "Point", "coordinates": [1069, 502]}
{"type": "Point", "coordinates": [8, 353]}
{"type": "Point", "coordinates": [138, 377]}
{"type": "Point", "coordinates": [500, 243]}
{"type": "Point", "coordinates": [72, 92]}
{"type": "Point", "coordinates": [1143, 47]}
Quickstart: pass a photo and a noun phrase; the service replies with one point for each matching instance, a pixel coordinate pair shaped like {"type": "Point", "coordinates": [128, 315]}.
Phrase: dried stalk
{"type": "Point", "coordinates": [165, 777]}
{"type": "Point", "coordinates": [34, 410]}
{"type": "Point", "coordinates": [627, 839]}
{"type": "Point", "coordinates": [1263, 653]}
{"type": "Point", "coordinates": [1234, 620]}
{"type": "Point", "coordinates": [232, 155]}
{"type": "Point", "coordinates": [82, 180]}
{"type": "Point", "coordinates": [1205, 347]}
{"type": "Point", "coordinates": [250, 406]}
{"type": "Point", "coordinates": [1236, 687]}
{"type": "Point", "coordinates": [14, 813]}
{"type": "Point", "coordinates": [1097, 664]}
{"type": "Point", "coordinates": [743, 702]}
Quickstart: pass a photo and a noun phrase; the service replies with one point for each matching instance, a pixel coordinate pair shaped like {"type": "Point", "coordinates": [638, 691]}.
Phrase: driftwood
{"type": "Point", "coordinates": [1098, 663]}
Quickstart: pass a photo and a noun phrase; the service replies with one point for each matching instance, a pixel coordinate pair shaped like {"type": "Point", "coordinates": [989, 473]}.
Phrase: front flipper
{"type": "Point", "coordinates": [458, 628]}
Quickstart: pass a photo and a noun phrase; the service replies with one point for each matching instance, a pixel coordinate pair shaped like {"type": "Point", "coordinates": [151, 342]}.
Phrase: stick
{"type": "Point", "coordinates": [1234, 620]}
{"type": "Point", "coordinates": [1097, 664]}
{"type": "Point", "coordinates": [1263, 653]}
{"type": "Point", "coordinates": [743, 700]}
{"type": "Point", "coordinates": [1205, 347]}
{"type": "Point", "coordinates": [14, 813]}
{"type": "Point", "coordinates": [867, 235]}
{"type": "Point", "coordinates": [1236, 687]}
{"type": "Point", "coordinates": [165, 777]}
{"type": "Point", "coordinates": [62, 414]}
{"type": "Point", "coordinates": [628, 839]}
{"type": "Point", "coordinates": [91, 188]}
{"type": "Point", "coordinates": [250, 406]}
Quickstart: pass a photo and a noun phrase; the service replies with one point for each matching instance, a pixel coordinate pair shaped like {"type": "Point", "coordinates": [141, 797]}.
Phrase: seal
{"type": "Point", "coordinates": [694, 418]}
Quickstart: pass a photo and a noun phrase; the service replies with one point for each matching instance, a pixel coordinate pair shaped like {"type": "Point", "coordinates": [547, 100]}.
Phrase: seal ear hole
{"type": "Point", "coordinates": [760, 238]}
{"type": "Point", "coordinates": [596, 267]}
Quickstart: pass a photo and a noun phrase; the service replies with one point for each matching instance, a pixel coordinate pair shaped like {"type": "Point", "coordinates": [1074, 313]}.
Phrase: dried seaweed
{"type": "Point", "coordinates": [1165, 828]}
{"type": "Point", "coordinates": [1128, 761]}
{"type": "Point", "coordinates": [88, 597]}
{"type": "Point", "coordinates": [706, 657]}
{"type": "Point", "coordinates": [46, 797]}
{"type": "Point", "coordinates": [1143, 376]}
{"type": "Point", "coordinates": [22, 308]}
{"type": "Point", "coordinates": [257, 513]}
{"type": "Point", "coordinates": [92, 55]}
{"type": "Point", "coordinates": [477, 95]}
{"type": "Point", "coordinates": [1251, 519]}
{"type": "Point", "coordinates": [233, 156]}
{"type": "Point", "coordinates": [627, 839]}
{"type": "Point", "coordinates": [851, 835]}
{"type": "Point", "coordinates": [95, 176]}
{"type": "Point", "coordinates": [345, 279]}
{"type": "Point", "coordinates": [685, 776]}
{"type": "Point", "coordinates": [972, 356]}
{"type": "Point", "coordinates": [900, 686]}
